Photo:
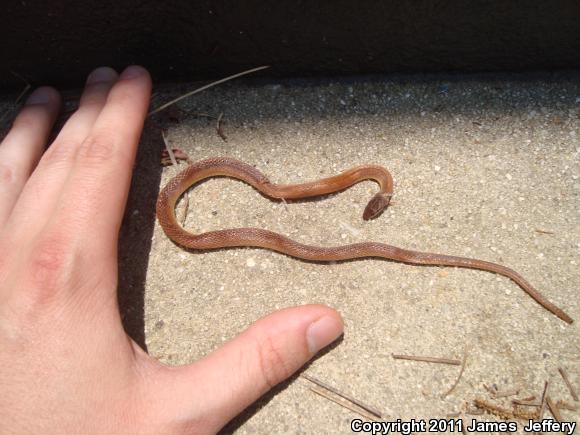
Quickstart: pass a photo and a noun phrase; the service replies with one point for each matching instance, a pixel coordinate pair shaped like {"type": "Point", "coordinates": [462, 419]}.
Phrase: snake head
{"type": "Point", "coordinates": [376, 206]}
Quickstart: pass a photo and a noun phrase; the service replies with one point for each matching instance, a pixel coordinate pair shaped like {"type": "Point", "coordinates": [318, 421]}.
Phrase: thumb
{"type": "Point", "coordinates": [212, 391]}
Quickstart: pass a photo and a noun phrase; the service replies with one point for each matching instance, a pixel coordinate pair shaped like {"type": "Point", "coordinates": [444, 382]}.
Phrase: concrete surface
{"type": "Point", "coordinates": [485, 167]}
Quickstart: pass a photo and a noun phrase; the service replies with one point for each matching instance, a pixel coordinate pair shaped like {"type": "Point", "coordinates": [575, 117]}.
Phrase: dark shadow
{"type": "Point", "coordinates": [214, 38]}
{"type": "Point", "coordinates": [137, 231]}
{"type": "Point", "coordinates": [446, 94]}
{"type": "Point", "coordinates": [249, 412]}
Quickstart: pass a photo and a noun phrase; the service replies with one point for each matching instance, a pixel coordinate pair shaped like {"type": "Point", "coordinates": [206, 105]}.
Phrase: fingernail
{"type": "Point", "coordinates": [102, 74]}
{"type": "Point", "coordinates": [323, 332]}
{"type": "Point", "coordinates": [39, 96]}
{"type": "Point", "coordinates": [131, 72]}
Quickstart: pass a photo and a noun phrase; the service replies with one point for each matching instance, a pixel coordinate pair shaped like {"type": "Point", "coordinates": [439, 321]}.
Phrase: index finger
{"type": "Point", "coordinates": [96, 191]}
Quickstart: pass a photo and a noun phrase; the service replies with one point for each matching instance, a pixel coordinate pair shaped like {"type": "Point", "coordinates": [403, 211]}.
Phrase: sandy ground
{"type": "Point", "coordinates": [485, 167]}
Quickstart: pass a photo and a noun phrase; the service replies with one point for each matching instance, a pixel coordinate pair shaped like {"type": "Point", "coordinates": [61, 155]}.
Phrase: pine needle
{"type": "Point", "coordinates": [203, 88]}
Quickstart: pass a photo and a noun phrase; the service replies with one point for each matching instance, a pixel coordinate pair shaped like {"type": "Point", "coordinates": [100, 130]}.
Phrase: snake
{"type": "Point", "coordinates": [262, 238]}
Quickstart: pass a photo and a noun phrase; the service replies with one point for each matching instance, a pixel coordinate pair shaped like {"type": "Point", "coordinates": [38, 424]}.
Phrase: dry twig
{"type": "Point", "coordinates": [203, 115]}
{"type": "Point", "coordinates": [178, 154]}
{"type": "Point", "coordinates": [218, 128]}
{"type": "Point", "coordinates": [429, 359]}
{"type": "Point", "coordinates": [529, 398]}
{"type": "Point", "coordinates": [174, 162]}
{"type": "Point", "coordinates": [554, 409]}
{"type": "Point", "coordinates": [20, 96]}
{"type": "Point", "coordinates": [463, 362]}
{"type": "Point", "coordinates": [543, 401]}
{"type": "Point", "coordinates": [475, 412]}
{"type": "Point", "coordinates": [505, 413]}
{"type": "Point", "coordinates": [361, 411]}
{"type": "Point", "coordinates": [169, 149]}
{"type": "Point", "coordinates": [26, 87]}
{"type": "Point", "coordinates": [562, 404]}
{"type": "Point", "coordinates": [491, 390]}
{"type": "Point", "coordinates": [203, 88]}
{"type": "Point", "coordinates": [23, 93]}
{"type": "Point", "coordinates": [330, 388]}
{"type": "Point", "coordinates": [526, 403]}
{"type": "Point", "coordinates": [544, 231]}
{"type": "Point", "coordinates": [568, 383]}
{"type": "Point", "coordinates": [506, 393]}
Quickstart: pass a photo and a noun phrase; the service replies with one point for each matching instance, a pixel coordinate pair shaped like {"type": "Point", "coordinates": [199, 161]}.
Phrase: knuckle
{"type": "Point", "coordinates": [7, 175]}
{"type": "Point", "coordinates": [60, 153]}
{"type": "Point", "coordinates": [49, 266]}
{"type": "Point", "coordinates": [97, 149]}
{"type": "Point", "coordinates": [272, 364]}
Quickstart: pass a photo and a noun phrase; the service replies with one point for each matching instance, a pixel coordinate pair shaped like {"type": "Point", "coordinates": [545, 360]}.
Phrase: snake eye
{"type": "Point", "coordinates": [376, 205]}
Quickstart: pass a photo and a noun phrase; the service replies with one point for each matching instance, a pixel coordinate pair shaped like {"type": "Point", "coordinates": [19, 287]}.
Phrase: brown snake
{"type": "Point", "coordinates": [255, 237]}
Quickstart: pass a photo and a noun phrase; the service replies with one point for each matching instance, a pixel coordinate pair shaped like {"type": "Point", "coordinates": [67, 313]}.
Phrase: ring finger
{"type": "Point", "coordinates": [23, 146]}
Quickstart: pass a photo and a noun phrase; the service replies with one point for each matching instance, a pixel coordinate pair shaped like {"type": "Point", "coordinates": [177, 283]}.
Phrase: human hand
{"type": "Point", "coordinates": [66, 364]}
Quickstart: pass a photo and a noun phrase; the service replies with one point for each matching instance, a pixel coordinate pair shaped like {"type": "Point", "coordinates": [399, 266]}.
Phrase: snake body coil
{"type": "Point", "coordinates": [260, 238]}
